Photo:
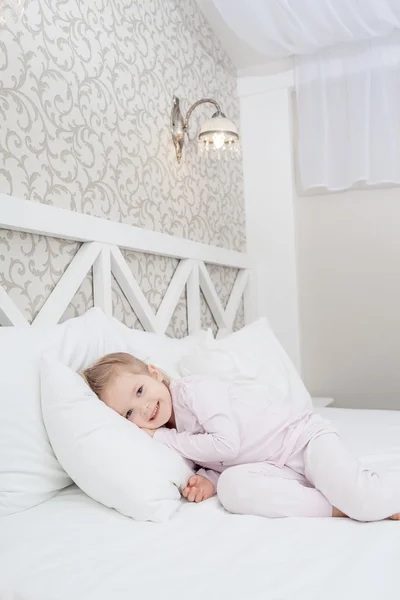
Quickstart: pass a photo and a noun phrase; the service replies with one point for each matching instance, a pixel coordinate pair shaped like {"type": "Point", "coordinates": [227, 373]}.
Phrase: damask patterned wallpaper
{"type": "Point", "coordinates": [85, 97]}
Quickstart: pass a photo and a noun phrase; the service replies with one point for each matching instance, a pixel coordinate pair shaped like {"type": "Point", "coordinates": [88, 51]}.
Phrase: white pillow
{"type": "Point", "coordinates": [108, 457]}
{"type": "Point", "coordinates": [251, 357]}
{"type": "Point", "coordinates": [158, 349]}
{"type": "Point", "coordinates": [29, 471]}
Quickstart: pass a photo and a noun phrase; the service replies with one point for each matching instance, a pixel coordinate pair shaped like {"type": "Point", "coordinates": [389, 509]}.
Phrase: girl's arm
{"type": "Point", "coordinates": [210, 402]}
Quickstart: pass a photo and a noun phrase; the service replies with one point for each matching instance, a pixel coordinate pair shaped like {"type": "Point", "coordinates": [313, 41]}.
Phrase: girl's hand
{"type": "Point", "coordinates": [199, 488]}
{"type": "Point", "coordinates": [149, 432]}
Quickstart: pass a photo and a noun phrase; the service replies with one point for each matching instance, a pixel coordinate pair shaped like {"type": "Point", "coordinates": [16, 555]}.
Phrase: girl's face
{"type": "Point", "coordinates": [143, 399]}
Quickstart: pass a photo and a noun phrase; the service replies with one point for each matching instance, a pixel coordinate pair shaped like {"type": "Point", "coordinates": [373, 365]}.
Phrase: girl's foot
{"type": "Point", "coordinates": [338, 513]}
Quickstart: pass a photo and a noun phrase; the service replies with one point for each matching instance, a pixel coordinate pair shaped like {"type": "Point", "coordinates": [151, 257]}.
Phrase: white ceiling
{"type": "Point", "coordinates": [240, 52]}
{"type": "Point", "coordinates": [247, 60]}
{"type": "Point", "coordinates": [300, 28]}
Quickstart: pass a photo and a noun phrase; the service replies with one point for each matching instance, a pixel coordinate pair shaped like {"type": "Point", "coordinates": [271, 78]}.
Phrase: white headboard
{"type": "Point", "coordinates": [100, 251]}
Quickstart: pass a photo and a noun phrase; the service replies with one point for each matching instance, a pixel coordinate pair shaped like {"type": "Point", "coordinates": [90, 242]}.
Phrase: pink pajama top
{"type": "Point", "coordinates": [221, 425]}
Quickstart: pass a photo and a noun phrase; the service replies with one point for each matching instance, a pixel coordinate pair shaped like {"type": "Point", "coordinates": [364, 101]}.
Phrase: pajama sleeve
{"type": "Point", "coordinates": [210, 403]}
{"type": "Point", "coordinates": [213, 476]}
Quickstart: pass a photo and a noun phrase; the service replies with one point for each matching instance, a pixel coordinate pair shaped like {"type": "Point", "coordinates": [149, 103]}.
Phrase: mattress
{"type": "Point", "coordinates": [72, 548]}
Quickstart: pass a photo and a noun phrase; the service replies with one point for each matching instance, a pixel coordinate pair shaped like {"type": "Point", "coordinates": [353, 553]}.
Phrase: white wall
{"type": "Point", "coordinates": [349, 285]}
{"type": "Point", "coordinates": [268, 184]}
{"type": "Point", "coordinates": [328, 266]}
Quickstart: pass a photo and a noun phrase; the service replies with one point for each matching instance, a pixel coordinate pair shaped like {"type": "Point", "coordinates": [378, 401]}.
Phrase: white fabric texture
{"type": "Point", "coordinates": [348, 115]}
{"type": "Point", "coordinates": [321, 475]}
{"type": "Point", "coordinates": [279, 28]}
{"type": "Point", "coordinates": [158, 349]}
{"type": "Point", "coordinates": [252, 358]}
{"type": "Point", "coordinates": [264, 490]}
{"type": "Point", "coordinates": [71, 547]}
{"type": "Point", "coordinates": [29, 471]}
{"type": "Point", "coordinates": [108, 457]}
{"type": "Point", "coordinates": [347, 72]}
{"type": "Point", "coordinates": [362, 494]}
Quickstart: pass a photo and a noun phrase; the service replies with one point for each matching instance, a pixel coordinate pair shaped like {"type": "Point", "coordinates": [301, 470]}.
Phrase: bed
{"type": "Point", "coordinates": [71, 547]}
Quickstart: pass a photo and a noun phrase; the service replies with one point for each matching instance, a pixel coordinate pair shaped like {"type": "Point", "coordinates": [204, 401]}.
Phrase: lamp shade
{"type": "Point", "coordinates": [218, 134]}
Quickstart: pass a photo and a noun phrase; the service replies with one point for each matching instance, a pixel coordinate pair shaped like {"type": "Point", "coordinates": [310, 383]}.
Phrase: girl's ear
{"type": "Point", "coordinates": [154, 372]}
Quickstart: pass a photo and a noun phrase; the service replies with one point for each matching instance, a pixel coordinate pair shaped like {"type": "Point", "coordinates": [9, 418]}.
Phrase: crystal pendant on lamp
{"type": "Point", "coordinates": [219, 136]}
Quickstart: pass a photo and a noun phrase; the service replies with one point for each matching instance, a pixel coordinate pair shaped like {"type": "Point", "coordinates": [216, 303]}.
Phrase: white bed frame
{"type": "Point", "coordinates": [101, 242]}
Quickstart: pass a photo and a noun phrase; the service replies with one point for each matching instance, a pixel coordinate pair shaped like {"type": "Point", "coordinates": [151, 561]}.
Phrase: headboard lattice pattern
{"type": "Point", "coordinates": [101, 253]}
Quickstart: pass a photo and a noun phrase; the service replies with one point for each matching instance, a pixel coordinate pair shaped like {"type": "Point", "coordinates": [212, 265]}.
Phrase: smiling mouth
{"type": "Point", "coordinates": [155, 411]}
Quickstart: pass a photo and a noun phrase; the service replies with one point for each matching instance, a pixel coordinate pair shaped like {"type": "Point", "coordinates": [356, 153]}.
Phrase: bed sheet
{"type": "Point", "coordinates": [73, 548]}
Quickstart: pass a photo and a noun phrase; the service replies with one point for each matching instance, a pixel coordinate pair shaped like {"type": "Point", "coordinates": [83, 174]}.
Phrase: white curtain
{"type": "Point", "coordinates": [348, 115]}
{"type": "Point", "coordinates": [347, 57]}
{"type": "Point", "coordinates": [279, 28]}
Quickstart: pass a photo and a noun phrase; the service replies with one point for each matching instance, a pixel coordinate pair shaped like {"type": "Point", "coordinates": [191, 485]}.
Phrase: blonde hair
{"type": "Point", "coordinates": [99, 375]}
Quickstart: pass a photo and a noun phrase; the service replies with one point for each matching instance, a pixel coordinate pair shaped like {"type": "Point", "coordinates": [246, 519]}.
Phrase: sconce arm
{"type": "Point", "coordinates": [195, 105]}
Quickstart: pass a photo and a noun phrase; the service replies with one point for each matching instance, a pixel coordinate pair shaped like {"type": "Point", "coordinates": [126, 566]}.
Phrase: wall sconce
{"type": "Point", "coordinates": [218, 134]}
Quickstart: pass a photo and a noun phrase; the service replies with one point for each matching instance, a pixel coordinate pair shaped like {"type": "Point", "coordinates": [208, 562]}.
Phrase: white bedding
{"type": "Point", "coordinates": [71, 548]}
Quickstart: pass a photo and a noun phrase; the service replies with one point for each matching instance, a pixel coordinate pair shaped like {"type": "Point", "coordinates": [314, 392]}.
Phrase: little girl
{"type": "Point", "coordinates": [260, 457]}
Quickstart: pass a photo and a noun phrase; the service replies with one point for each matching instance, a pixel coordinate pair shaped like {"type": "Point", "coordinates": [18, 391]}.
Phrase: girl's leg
{"type": "Point", "coordinates": [266, 491]}
{"type": "Point", "coordinates": [360, 493]}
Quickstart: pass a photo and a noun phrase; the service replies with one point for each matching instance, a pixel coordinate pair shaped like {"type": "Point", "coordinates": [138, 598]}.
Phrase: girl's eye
{"type": "Point", "coordinates": [128, 414]}
{"type": "Point", "coordinates": [140, 390]}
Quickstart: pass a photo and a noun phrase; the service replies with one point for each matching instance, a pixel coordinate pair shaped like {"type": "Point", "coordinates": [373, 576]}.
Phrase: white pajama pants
{"type": "Point", "coordinates": [315, 478]}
